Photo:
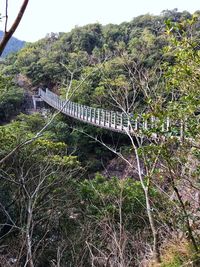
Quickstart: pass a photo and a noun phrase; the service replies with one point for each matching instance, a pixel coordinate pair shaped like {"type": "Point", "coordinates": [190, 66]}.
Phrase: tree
{"type": "Point", "coordinates": [36, 184]}
{"type": "Point", "coordinates": [8, 33]}
{"type": "Point", "coordinates": [115, 212]}
{"type": "Point", "coordinates": [173, 91]}
{"type": "Point", "coordinates": [11, 99]}
{"type": "Point", "coordinates": [183, 88]}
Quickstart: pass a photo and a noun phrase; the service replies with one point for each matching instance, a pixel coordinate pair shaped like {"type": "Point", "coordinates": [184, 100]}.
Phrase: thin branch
{"type": "Point", "coordinates": [6, 22]}
{"type": "Point", "coordinates": [8, 34]}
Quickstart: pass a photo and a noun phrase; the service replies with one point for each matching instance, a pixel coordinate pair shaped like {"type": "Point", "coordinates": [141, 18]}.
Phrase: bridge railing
{"type": "Point", "coordinates": [116, 121]}
{"type": "Point", "coordinates": [100, 117]}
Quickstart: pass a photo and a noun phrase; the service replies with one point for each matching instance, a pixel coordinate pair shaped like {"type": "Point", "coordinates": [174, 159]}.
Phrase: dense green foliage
{"type": "Point", "coordinates": [11, 98]}
{"type": "Point", "coordinates": [59, 205]}
{"type": "Point", "coordinates": [107, 55]}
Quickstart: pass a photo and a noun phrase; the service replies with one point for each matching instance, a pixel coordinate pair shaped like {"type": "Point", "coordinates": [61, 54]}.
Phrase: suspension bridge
{"type": "Point", "coordinates": [115, 121]}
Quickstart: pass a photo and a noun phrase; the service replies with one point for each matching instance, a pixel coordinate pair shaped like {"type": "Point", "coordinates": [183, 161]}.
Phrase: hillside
{"type": "Point", "coordinates": [72, 194]}
{"type": "Point", "coordinates": [112, 48]}
{"type": "Point", "coordinates": [14, 45]}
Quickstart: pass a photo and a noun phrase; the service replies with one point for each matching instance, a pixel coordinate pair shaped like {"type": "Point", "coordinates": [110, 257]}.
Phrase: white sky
{"type": "Point", "coordinates": [45, 16]}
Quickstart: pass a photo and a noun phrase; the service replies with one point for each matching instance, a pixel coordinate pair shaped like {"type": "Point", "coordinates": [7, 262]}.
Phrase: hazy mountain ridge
{"type": "Point", "coordinates": [14, 45]}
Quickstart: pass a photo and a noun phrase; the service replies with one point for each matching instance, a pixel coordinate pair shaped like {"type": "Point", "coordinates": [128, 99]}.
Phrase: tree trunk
{"type": "Point", "coordinates": [156, 250]}
{"type": "Point", "coordinates": [29, 256]}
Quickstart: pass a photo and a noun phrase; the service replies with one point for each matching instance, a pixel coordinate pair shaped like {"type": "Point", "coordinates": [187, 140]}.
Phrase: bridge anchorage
{"type": "Point", "coordinates": [111, 120]}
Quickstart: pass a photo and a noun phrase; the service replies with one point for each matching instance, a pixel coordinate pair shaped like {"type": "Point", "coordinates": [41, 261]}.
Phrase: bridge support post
{"type": "Point", "coordinates": [35, 100]}
{"type": "Point", "coordinates": [110, 119]}
{"type": "Point", "coordinates": [122, 122]}
{"type": "Point", "coordinates": [115, 120]}
{"type": "Point", "coordinates": [74, 109]}
{"type": "Point", "coordinates": [129, 124]}
{"type": "Point", "coordinates": [86, 113]}
{"type": "Point", "coordinates": [104, 117]}
{"type": "Point", "coordinates": [34, 103]}
{"type": "Point", "coordinates": [69, 107]}
{"type": "Point", "coordinates": [94, 115]}
{"type": "Point", "coordinates": [99, 116]}
{"type": "Point", "coordinates": [90, 114]}
{"type": "Point", "coordinates": [81, 111]}
{"type": "Point", "coordinates": [83, 115]}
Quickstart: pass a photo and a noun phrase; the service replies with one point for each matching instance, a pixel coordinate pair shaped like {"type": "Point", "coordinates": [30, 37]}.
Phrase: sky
{"type": "Point", "coordinates": [46, 16]}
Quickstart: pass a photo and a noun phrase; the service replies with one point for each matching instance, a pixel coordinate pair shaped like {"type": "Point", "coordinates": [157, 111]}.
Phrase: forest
{"type": "Point", "coordinates": [75, 195]}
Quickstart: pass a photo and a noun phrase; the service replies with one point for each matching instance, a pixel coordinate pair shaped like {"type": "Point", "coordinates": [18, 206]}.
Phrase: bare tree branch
{"type": "Point", "coordinates": [8, 34]}
{"type": "Point", "coordinates": [6, 22]}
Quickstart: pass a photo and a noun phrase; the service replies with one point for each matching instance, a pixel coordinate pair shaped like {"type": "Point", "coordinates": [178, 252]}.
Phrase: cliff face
{"type": "Point", "coordinates": [119, 168]}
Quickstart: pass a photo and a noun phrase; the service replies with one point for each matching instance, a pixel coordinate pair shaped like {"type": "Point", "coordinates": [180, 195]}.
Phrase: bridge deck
{"type": "Point", "coordinates": [114, 121]}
